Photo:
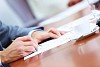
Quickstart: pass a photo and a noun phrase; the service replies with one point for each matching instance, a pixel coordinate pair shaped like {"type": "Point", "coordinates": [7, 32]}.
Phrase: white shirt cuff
{"type": "Point", "coordinates": [30, 33]}
{"type": "Point", "coordinates": [1, 63]}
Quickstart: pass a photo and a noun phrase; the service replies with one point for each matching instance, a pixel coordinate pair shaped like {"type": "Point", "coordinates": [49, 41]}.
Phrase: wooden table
{"type": "Point", "coordinates": [84, 53]}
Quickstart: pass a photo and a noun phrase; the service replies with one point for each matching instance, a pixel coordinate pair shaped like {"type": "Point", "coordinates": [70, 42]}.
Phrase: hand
{"type": "Point", "coordinates": [39, 36]}
{"type": "Point", "coordinates": [20, 47]}
{"type": "Point", "coordinates": [73, 2]}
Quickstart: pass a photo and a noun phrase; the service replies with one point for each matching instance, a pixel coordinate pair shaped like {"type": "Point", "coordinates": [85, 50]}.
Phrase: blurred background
{"type": "Point", "coordinates": [27, 13]}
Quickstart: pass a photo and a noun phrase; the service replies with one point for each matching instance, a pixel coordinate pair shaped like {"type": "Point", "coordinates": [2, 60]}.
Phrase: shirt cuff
{"type": "Point", "coordinates": [30, 33]}
{"type": "Point", "coordinates": [1, 63]}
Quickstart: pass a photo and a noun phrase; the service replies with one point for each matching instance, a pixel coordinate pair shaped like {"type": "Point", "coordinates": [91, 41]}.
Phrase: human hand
{"type": "Point", "coordinates": [73, 2]}
{"type": "Point", "coordinates": [39, 36]}
{"type": "Point", "coordinates": [20, 47]}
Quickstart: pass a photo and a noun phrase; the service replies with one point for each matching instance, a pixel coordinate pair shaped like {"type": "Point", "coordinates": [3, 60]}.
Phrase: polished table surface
{"type": "Point", "coordinates": [83, 53]}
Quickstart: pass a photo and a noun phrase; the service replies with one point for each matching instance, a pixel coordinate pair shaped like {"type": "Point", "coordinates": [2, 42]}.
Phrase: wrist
{"type": "Point", "coordinates": [31, 32]}
{"type": "Point", "coordinates": [34, 36]}
{"type": "Point", "coordinates": [3, 57]}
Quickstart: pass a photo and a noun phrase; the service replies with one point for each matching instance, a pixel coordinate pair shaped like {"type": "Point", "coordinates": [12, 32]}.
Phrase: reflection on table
{"type": "Point", "coordinates": [84, 53]}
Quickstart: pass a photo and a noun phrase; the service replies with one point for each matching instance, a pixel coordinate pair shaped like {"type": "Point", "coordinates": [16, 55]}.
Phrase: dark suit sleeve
{"type": "Point", "coordinates": [9, 33]}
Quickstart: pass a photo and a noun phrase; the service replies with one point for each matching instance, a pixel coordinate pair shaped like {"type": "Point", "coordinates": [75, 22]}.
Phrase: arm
{"type": "Point", "coordinates": [21, 46]}
{"type": "Point", "coordinates": [9, 33]}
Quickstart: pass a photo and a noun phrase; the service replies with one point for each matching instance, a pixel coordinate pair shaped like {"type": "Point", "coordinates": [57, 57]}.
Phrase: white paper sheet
{"type": "Point", "coordinates": [51, 44]}
{"type": "Point", "coordinates": [61, 40]}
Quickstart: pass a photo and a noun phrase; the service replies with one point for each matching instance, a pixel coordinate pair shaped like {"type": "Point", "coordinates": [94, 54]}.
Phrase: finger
{"type": "Point", "coordinates": [35, 45]}
{"type": "Point", "coordinates": [25, 38]}
{"type": "Point", "coordinates": [55, 31]}
{"type": "Point", "coordinates": [53, 35]}
{"type": "Point", "coordinates": [30, 43]}
{"type": "Point", "coordinates": [29, 49]}
{"type": "Point", "coordinates": [35, 41]}
{"type": "Point", "coordinates": [62, 32]}
{"type": "Point", "coordinates": [26, 53]}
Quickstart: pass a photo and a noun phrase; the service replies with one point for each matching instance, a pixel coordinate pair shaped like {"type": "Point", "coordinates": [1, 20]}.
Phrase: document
{"type": "Point", "coordinates": [51, 44]}
{"type": "Point", "coordinates": [72, 34]}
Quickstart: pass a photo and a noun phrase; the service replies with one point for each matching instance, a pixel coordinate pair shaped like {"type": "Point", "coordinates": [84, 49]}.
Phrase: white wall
{"type": "Point", "coordinates": [7, 15]}
{"type": "Point", "coordinates": [44, 8]}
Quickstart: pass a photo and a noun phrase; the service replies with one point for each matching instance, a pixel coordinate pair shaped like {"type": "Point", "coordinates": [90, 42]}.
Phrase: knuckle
{"type": "Point", "coordinates": [51, 29]}
{"type": "Point", "coordinates": [20, 49]}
